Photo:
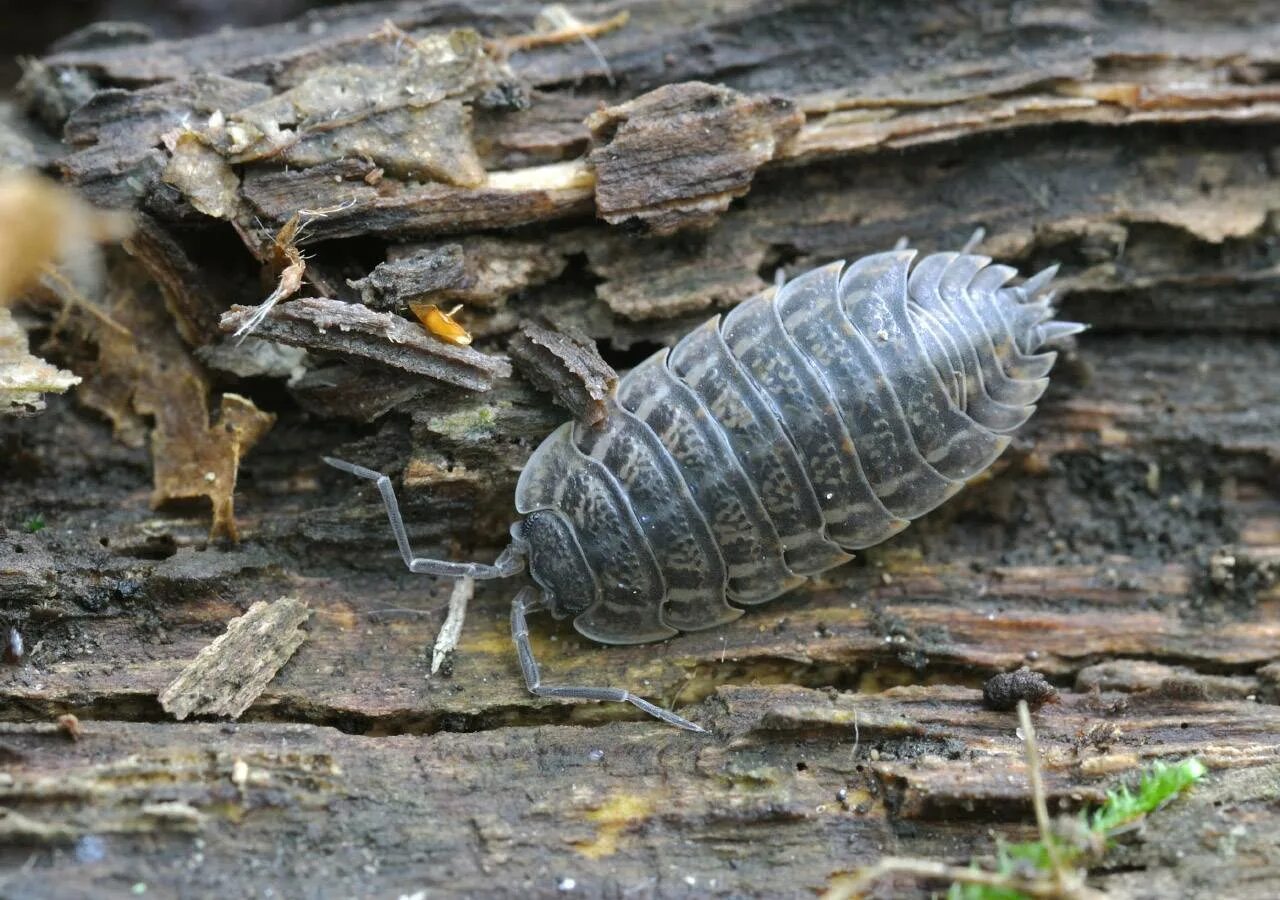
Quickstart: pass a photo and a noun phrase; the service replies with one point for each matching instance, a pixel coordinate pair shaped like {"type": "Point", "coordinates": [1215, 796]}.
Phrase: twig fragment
{"type": "Point", "coordinates": [561, 27]}
{"type": "Point", "coordinates": [451, 630]}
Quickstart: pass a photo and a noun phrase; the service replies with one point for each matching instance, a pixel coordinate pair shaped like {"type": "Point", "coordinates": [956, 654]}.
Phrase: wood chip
{"type": "Point", "coordinates": [478, 270]}
{"type": "Point", "coordinates": [229, 674]}
{"type": "Point", "coordinates": [675, 157]}
{"type": "Point", "coordinates": [203, 176]}
{"type": "Point", "coordinates": [25, 379]}
{"type": "Point", "coordinates": [567, 364]}
{"type": "Point", "coordinates": [351, 330]}
{"type": "Point", "coordinates": [425, 272]}
{"type": "Point", "coordinates": [492, 268]}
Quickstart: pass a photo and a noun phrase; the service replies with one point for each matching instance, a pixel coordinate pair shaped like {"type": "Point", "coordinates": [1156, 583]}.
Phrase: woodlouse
{"type": "Point", "coordinates": [766, 446]}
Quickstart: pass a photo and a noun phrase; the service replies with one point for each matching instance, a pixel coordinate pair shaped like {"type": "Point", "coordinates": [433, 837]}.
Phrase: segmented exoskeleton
{"type": "Point", "coordinates": [767, 445]}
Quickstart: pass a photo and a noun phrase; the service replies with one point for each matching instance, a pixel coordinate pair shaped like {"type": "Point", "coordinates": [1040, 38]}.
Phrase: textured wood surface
{"type": "Point", "coordinates": [1127, 546]}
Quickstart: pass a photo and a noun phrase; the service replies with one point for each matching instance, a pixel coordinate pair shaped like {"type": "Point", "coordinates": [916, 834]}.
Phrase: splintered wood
{"type": "Point", "coordinates": [676, 157]}
{"type": "Point", "coordinates": [353, 331]}
{"type": "Point", "coordinates": [229, 674]}
{"type": "Point", "coordinates": [567, 365]}
{"type": "Point", "coordinates": [617, 184]}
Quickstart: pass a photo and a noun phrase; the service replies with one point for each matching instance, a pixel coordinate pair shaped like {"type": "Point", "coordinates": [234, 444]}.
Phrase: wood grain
{"type": "Point", "coordinates": [1127, 546]}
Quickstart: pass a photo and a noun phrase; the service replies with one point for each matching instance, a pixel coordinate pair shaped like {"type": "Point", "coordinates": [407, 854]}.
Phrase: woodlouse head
{"type": "Point", "coordinates": [557, 564]}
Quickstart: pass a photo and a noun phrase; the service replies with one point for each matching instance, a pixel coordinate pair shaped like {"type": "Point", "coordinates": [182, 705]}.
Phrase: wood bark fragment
{"type": "Point", "coordinates": [451, 630]}
{"type": "Point", "coordinates": [425, 273]}
{"type": "Point", "coordinates": [674, 158]}
{"type": "Point", "coordinates": [566, 365]}
{"type": "Point", "coordinates": [25, 379]}
{"type": "Point", "coordinates": [203, 176]}
{"type": "Point", "coordinates": [228, 675]}
{"type": "Point", "coordinates": [481, 270]}
{"type": "Point", "coordinates": [352, 331]}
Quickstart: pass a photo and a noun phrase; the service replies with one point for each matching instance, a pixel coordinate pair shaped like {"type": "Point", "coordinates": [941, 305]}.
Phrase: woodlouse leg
{"type": "Point", "coordinates": [533, 680]}
{"type": "Point", "coordinates": [508, 563]}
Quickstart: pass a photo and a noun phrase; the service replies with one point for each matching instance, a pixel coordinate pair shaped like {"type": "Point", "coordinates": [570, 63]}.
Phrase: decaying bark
{"type": "Point", "coordinates": [566, 365]}
{"type": "Point", "coordinates": [587, 204]}
{"type": "Point", "coordinates": [228, 675]}
{"type": "Point", "coordinates": [351, 330]}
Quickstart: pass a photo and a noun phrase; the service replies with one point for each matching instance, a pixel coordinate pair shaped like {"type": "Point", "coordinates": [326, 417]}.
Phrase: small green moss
{"type": "Point", "coordinates": [471, 423]}
{"type": "Point", "coordinates": [1157, 786]}
{"type": "Point", "coordinates": [34, 524]}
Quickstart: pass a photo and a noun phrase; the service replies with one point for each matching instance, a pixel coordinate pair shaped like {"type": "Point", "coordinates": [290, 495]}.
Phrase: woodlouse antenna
{"type": "Point", "coordinates": [509, 562]}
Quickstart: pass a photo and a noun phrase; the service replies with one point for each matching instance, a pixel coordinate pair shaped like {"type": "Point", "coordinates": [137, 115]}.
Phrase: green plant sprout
{"type": "Point", "coordinates": [1055, 865]}
{"type": "Point", "coordinates": [1122, 808]}
{"type": "Point", "coordinates": [34, 524]}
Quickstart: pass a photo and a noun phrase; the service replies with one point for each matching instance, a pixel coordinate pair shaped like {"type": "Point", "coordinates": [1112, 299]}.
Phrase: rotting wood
{"type": "Point", "coordinates": [491, 268]}
{"type": "Point", "coordinates": [704, 806]}
{"type": "Point", "coordinates": [677, 156]}
{"type": "Point", "coordinates": [567, 366]}
{"type": "Point", "coordinates": [353, 331]}
{"type": "Point", "coordinates": [1125, 546]}
{"type": "Point", "coordinates": [427, 272]}
{"type": "Point", "coordinates": [228, 675]}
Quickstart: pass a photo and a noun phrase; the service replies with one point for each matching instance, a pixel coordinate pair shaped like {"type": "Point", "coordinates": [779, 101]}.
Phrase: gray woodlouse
{"type": "Point", "coordinates": [766, 446]}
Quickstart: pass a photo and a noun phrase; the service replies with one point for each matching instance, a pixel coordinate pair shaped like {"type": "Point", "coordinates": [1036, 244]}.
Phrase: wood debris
{"type": "Point", "coordinates": [361, 110]}
{"type": "Point", "coordinates": [478, 270]}
{"type": "Point", "coordinates": [119, 134]}
{"type": "Point", "coordinates": [192, 455]}
{"type": "Point", "coordinates": [25, 379]}
{"type": "Point", "coordinates": [202, 175]}
{"type": "Point", "coordinates": [352, 331]}
{"type": "Point", "coordinates": [196, 458]}
{"type": "Point", "coordinates": [1159, 679]}
{"type": "Point", "coordinates": [451, 630]}
{"type": "Point", "coordinates": [677, 156]}
{"type": "Point", "coordinates": [557, 25]}
{"type": "Point", "coordinates": [568, 365]}
{"type": "Point", "coordinates": [483, 270]}
{"type": "Point", "coordinates": [287, 262]}
{"type": "Point", "coordinates": [412, 277]}
{"type": "Point", "coordinates": [404, 209]}
{"type": "Point", "coordinates": [229, 674]}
